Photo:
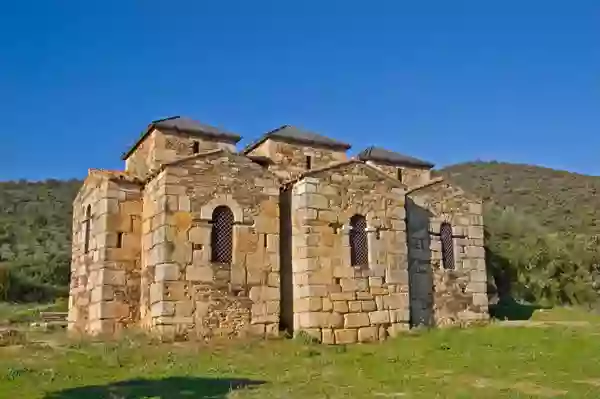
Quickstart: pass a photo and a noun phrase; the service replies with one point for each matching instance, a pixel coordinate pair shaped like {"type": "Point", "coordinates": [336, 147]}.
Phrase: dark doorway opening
{"type": "Point", "coordinates": [420, 272]}
{"type": "Point", "coordinates": [286, 319]}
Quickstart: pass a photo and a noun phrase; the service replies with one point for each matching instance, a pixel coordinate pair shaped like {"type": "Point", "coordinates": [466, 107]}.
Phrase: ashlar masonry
{"type": "Point", "coordinates": [195, 239]}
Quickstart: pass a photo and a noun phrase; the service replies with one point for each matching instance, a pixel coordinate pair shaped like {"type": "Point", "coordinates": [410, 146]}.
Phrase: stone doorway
{"type": "Point", "coordinates": [286, 317]}
{"type": "Point", "coordinates": [420, 273]}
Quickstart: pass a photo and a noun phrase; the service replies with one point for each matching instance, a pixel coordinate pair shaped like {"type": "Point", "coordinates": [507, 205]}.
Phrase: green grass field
{"type": "Point", "coordinates": [25, 313]}
{"type": "Point", "coordinates": [484, 362]}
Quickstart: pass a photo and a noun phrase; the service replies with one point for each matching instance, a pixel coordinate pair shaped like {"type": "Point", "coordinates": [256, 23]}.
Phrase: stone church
{"type": "Point", "coordinates": [197, 239]}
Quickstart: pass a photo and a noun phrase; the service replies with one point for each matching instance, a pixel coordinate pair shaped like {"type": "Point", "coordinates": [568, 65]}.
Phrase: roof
{"type": "Point", "coordinates": [386, 156]}
{"type": "Point", "coordinates": [260, 159]}
{"type": "Point", "coordinates": [456, 190]}
{"type": "Point", "coordinates": [293, 134]}
{"type": "Point", "coordinates": [336, 165]}
{"type": "Point", "coordinates": [184, 125]}
{"type": "Point", "coordinates": [117, 175]}
{"type": "Point", "coordinates": [204, 154]}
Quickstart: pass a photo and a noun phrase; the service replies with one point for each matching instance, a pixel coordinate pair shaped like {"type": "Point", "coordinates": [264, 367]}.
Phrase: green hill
{"type": "Point", "coordinates": [35, 238]}
{"type": "Point", "coordinates": [541, 230]}
{"type": "Point", "coordinates": [540, 227]}
{"type": "Point", "coordinates": [557, 200]}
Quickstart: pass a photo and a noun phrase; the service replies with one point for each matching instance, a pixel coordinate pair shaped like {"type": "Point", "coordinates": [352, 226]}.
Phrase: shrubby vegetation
{"type": "Point", "coordinates": [532, 263]}
{"type": "Point", "coordinates": [35, 239]}
{"type": "Point", "coordinates": [540, 233]}
{"type": "Point", "coordinates": [541, 230]}
{"type": "Point", "coordinates": [558, 200]}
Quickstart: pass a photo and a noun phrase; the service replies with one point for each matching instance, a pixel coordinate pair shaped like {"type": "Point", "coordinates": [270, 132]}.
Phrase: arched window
{"type": "Point", "coordinates": [447, 246]}
{"type": "Point", "coordinates": [221, 235]}
{"type": "Point", "coordinates": [359, 249]}
{"type": "Point", "coordinates": [86, 228]}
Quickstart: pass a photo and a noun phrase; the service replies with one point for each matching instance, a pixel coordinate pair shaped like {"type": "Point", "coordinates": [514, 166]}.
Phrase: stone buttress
{"type": "Point", "coordinates": [105, 280]}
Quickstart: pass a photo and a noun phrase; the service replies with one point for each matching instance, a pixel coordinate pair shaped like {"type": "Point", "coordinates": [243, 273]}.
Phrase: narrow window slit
{"type": "Point", "coordinates": [120, 239]}
{"type": "Point", "coordinates": [87, 227]}
{"type": "Point", "coordinates": [447, 246]}
{"type": "Point", "coordinates": [196, 147]}
{"type": "Point", "coordinates": [359, 249]}
{"type": "Point", "coordinates": [221, 235]}
{"type": "Point", "coordinates": [308, 162]}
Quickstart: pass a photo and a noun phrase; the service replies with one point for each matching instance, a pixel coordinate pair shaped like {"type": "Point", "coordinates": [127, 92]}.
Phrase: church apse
{"type": "Point", "coordinates": [349, 255]}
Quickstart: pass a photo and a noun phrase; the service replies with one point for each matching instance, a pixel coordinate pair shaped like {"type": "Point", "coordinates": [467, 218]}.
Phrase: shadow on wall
{"type": "Point", "coordinates": [420, 272]}
{"type": "Point", "coordinates": [167, 388]}
{"type": "Point", "coordinates": [500, 274]}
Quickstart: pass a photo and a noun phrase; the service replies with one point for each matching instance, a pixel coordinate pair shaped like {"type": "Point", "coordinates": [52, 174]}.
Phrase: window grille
{"type": "Point", "coordinates": [222, 235]}
{"type": "Point", "coordinates": [359, 248]}
{"type": "Point", "coordinates": [447, 246]}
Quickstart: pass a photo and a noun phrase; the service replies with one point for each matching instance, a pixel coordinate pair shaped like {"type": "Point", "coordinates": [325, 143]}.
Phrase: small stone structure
{"type": "Point", "coordinates": [195, 239]}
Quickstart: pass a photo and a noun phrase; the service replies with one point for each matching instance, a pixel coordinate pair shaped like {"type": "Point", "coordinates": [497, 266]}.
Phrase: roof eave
{"type": "Point", "coordinates": [424, 165]}
{"type": "Point", "coordinates": [145, 134]}
{"type": "Point", "coordinates": [253, 145]}
{"type": "Point", "coordinates": [232, 138]}
{"type": "Point", "coordinates": [285, 139]}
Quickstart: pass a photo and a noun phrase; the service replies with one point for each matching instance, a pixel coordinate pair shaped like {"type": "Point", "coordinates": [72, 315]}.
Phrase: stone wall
{"type": "Point", "coordinates": [187, 294]}
{"type": "Point", "coordinates": [411, 176]}
{"type": "Point", "coordinates": [104, 290]}
{"type": "Point", "coordinates": [161, 147]}
{"type": "Point", "coordinates": [141, 161]}
{"type": "Point", "coordinates": [289, 160]}
{"type": "Point", "coordinates": [91, 193]}
{"type": "Point", "coordinates": [333, 301]}
{"type": "Point", "coordinates": [438, 296]}
{"type": "Point", "coordinates": [153, 251]}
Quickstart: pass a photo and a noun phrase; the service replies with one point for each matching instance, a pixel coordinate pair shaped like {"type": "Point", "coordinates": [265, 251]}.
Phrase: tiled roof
{"type": "Point", "coordinates": [184, 125]}
{"type": "Point", "coordinates": [293, 134]}
{"type": "Point", "coordinates": [386, 156]}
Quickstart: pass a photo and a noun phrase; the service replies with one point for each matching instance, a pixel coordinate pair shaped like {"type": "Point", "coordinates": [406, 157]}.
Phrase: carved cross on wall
{"type": "Point", "coordinates": [378, 231]}
{"type": "Point", "coordinates": [336, 226]}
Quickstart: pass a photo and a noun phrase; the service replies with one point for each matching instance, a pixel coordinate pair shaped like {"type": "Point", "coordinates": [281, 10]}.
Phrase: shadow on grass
{"type": "Point", "coordinates": [510, 309]}
{"type": "Point", "coordinates": [167, 388]}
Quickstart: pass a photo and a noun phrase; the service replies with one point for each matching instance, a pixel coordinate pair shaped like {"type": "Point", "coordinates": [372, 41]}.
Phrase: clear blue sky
{"type": "Point", "coordinates": [448, 81]}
